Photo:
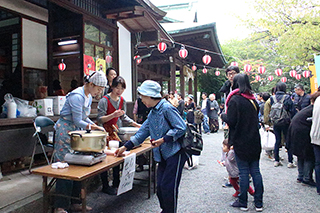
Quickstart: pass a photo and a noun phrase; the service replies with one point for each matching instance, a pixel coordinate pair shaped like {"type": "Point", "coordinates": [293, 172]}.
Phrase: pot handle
{"type": "Point", "coordinates": [76, 134]}
{"type": "Point", "coordinates": [88, 131]}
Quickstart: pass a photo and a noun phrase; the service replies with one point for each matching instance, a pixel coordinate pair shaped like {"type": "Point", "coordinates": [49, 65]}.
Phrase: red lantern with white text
{"type": "Point", "coordinates": [261, 69]}
{"type": "Point", "coordinates": [306, 74]}
{"type": "Point", "coordinates": [284, 79]}
{"type": "Point", "coordinates": [204, 70]}
{"type": "Point", "coordinates": [62, 66]}
{"type": "Point", "coordinates": [247, 68]}
{"type": "Point", "coordinates": [258, 78]}
{"type": "Point", "coordinates": [293, 73]}
{"type": "Point", "coordinates": [108, 59]}
{"type": "Point", "coordinates": [234, 63]}
{"type": "Point", "coordinates": [162, 47]}
{"type": "Point", "coordinates": [298, 76]}
{"type": "Point", "coordinates": [138, 61]}
{"type": "Point", "coordinates": [206, 59]}
{"type": "Point", "coordinates": [217, 73]}
{"type": "Point", "coordinates": [183, 53]}
{"type": "Point", "coordinates": [194, 68]}
{"type": "Point", "coordinates": [278, 72]}
{"type": "Point", "coordinates": [270, 78]}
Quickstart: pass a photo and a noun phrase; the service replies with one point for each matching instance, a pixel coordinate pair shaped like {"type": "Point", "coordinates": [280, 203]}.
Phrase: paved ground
{"type": "Point", "coordinates": [201, 189]}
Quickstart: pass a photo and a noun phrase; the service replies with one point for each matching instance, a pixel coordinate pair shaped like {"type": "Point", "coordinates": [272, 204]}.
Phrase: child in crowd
{"type": "Point", "coordinates": [198, 118]}
{"type": "Point", "coordinates": [232, 168]}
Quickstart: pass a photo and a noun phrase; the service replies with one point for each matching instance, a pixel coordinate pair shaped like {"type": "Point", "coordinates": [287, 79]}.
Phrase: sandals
{"type": "Point", "coordinates": [78, 207]}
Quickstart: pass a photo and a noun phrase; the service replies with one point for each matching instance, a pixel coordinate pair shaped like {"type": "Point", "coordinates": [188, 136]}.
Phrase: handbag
{"type": "Point", "coordinates": [268, 139]}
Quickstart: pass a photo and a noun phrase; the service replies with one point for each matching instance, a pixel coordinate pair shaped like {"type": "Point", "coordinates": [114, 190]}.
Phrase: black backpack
{"type": "Point", "coordinates": [191, 142]}
{"type": "Point", "coordinates": [278, 114]}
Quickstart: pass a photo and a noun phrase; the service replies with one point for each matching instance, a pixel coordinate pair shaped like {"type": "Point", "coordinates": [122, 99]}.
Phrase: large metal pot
{"type": "Point", "coordinates": [88, 141]}
{"type": "Point", "coordinates": [126, 132]}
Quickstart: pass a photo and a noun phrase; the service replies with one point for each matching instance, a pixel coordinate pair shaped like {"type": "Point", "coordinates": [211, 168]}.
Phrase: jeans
{"type": "Point", "coordinates": [68, 188]}
{"type": "Point", "coordinates": [252, 168]}
{"type": "Point", "coordinates": [168, 180]}
{"type": "Point", "coordinates": [277, 131]}
{"type": "Point", "coordinates": [205, 124]}
{"type": "Point", "coordinates": [305, 169]}
{"type": "Point", "coordinates": [316, 150]}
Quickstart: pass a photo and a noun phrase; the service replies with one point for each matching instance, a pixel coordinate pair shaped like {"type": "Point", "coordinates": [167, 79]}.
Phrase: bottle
{"type": "Point", "coordinates": [12, 109]}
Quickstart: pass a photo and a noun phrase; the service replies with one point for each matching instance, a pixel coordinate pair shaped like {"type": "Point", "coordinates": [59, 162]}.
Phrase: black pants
{"type": "Point", "coordinates": [116, 177]}
{"type": "Point", "coordinates": [214, 125]}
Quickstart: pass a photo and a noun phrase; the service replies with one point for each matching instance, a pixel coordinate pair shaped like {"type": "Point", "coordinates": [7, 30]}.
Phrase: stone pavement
{"type": "Point", "coordinates": [201, 189]}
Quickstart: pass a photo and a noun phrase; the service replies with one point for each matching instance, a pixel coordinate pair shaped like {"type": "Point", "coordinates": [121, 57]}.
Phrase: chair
{"type": "Point", "coordinates": [39, 123]}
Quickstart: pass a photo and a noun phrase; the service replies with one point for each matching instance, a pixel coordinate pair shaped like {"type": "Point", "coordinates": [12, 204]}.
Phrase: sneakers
{"type": "Point", "coordinates": [309, 183]}
{"type": "Point", "coordinates": [291, 165]}
{"type": "Point", "coordinates": [299, 180]}
{"type": "Point", "coordinates": [277, 163]}
{"type": "Point", "coordinates": [237, 204]}
{"type": "Point", "coordinates": [225, 185]}
{"type": "Point", "coordinates": [259, 209]}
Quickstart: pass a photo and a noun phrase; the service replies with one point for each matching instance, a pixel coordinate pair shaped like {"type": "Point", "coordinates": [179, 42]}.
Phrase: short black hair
{"type": "Point", "coordinates": [235, 68]}
{"type": "Point", "coordinates": [265, 96]}
{"type": "Point", "coordinates": [242, 82]}
{"type": "Point", "coordinates": [281, 87]}
{"type": "Point", "coordinates": [204, 93]}
{"type": "Point", "coordinates": [108, 70]}
{"type": "Point", "coordinates": [299, 86]}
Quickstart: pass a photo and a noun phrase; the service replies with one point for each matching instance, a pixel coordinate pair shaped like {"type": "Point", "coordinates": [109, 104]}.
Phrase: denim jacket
{"type": "Point", "coordinates": [156, 126]}
{"type": "Point", "coordinates": [74, 110]}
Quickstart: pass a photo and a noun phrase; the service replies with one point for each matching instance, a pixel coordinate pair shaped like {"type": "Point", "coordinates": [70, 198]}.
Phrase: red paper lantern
{"type": "Point", "coordinates": [261, 69]}
{"type": "Point", "coordinates": [284, 79]}
{"type": "Point", "coordinates": [62, 66]}
{"type": "Point", "coordinates": [206, 59]}
{"type": "Point", "coordinates": [217, 73]}
{"type": "Point", "coordinates": [293, 73]}
{"type": "Point", "coordinates": [183, 53]}
{"type": "Point", "coordinates": [270, 78]}
{"type": "Point", "coordinates": [162, 47]}
{"type": "Point", "coordinates": [306, 74]}
{"type": "Point", "coordinates": [278, 72]}
{"type": "Point", "coordinates": [247, 68]}
{"type": "Point", "coordinates": [204, 70]}
{"type": "Point", "coordinates": [108, 59]}
{"type": "Point", "coordinates": [138, 61]}
{"type": "Point", "coordinates": [234, 63]}
{"type": "Point", "coordinates": [298, 76]}
{"type": "Point", "coordinates": [258, 77]}
{"type": "Point", "coordinates": [194, 68]}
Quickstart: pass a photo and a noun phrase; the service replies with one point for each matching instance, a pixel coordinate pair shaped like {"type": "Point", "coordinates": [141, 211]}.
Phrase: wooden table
{"type": "Point", "coordinates": [83, 173]}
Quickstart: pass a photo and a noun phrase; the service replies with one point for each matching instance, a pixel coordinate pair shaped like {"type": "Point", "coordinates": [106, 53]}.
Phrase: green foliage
{"type": "Point", "coordinates": [209, 82]}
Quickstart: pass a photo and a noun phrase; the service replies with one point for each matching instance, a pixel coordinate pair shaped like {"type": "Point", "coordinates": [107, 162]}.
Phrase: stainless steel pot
{"type": "Point", "coordinates": [126, 132]}
{"type": "Point", "coordinates": [88, 141]}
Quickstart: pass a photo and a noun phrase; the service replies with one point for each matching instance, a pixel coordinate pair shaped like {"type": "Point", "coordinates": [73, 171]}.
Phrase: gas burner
{"type": "Point", "coordinates": [94, 154]}
{"type": "Point", "coordinates": [84, 158]}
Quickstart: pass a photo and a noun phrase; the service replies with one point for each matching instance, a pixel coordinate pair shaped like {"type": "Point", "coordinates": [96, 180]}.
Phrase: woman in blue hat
{"type": "Point", "coordinates": [164, 125]}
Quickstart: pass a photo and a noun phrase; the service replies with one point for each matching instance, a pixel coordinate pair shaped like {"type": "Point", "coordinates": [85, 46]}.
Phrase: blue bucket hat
{"type": "Point", "coordinates": [150, 88]}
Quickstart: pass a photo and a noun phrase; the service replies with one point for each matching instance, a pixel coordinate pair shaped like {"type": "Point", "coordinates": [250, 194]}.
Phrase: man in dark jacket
{"type": "Point", "coordinates": [301, 99]}
{"type": "Point", "coordinates": [231, 71]}
{"type": "Point", "coordinates": [299, 142]}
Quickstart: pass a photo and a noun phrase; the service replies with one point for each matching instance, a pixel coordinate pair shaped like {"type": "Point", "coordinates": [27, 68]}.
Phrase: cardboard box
{"type": "Point", "coordinates": [44, 106]}
{"type": "Point", "coordinates": [58, 102]}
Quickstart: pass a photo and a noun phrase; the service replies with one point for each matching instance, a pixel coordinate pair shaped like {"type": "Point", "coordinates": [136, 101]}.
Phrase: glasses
{"type": "Point", "coordinates": [231, 73]}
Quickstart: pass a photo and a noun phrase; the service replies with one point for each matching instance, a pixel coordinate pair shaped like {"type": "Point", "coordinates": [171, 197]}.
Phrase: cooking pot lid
{"type": "Point", "coordinates": [124, 130]}
{"type": "Point", "coordinates": [92, 133]}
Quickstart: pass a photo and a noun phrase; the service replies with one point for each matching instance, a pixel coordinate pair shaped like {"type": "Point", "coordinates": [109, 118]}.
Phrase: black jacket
{"type": "Point", "coordinates": [298, 137]}
{"type": "Point", "coordinates": [242, 118]}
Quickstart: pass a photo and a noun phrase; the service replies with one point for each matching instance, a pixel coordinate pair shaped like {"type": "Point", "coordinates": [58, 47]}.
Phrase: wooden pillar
{"type": "Point", "coordinates": [182, 82]}
{"type": "Point", "coordinates": [190, 86]}
{"type": "Point", "coordinates": [172, 86]}
{"type": "Point", "coordinates": [195, 83]}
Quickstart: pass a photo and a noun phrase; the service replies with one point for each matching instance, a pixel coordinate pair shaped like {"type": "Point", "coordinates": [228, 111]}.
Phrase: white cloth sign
{"type": "Point", "coordinates": [129, 168]}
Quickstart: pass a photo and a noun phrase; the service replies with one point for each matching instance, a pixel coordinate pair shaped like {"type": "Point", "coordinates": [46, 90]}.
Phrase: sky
{"type": "Point", "coordinates": [221, 12]}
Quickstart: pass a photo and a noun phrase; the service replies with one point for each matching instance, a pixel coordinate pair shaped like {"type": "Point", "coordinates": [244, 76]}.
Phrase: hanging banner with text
{"type": "Point", "coordinates": [317, 63]}
{"type": "Point", "coordinates": [313, 79]}
{"type": "Point", "coordinates": [129, 167]}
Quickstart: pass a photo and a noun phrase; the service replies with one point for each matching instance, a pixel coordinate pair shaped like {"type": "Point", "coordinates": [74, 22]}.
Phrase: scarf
{"type": "Point", "coordinates": [236, 92]}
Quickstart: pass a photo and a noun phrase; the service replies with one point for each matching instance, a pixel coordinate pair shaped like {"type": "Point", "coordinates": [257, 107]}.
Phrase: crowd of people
{"type": "Point", "coordinates": [164, 119]}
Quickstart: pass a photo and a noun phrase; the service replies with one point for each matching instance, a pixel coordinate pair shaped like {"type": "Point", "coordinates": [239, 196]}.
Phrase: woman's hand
{"type": "Point", "coordinates": [118, 113]}
{"type": "Point", "coordinates": [119, 151]}
{"type": "Point", "coordinates": [96, 127]}
{"type": "Point", "coordinates": [156, 143]}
